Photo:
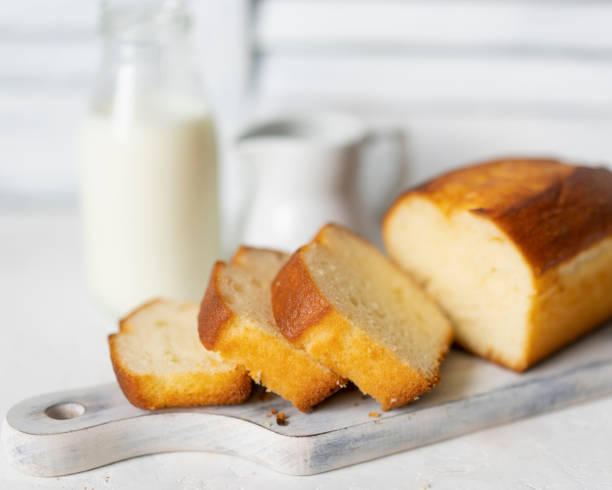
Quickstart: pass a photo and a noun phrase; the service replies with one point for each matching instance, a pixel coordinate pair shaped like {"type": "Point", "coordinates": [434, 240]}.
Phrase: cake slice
{"type": "Point", "coordinates": [355, 311]}
{"type": "Point", "coordinates": [236, 321]}
{"type": "Point", "coordinates": [518, 252]}
{"type": "Point", "coordinates": [159, 361]}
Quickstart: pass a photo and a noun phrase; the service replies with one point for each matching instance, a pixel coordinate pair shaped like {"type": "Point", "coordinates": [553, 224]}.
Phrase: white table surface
{"type": "Point", "coordinates": [54, 338]}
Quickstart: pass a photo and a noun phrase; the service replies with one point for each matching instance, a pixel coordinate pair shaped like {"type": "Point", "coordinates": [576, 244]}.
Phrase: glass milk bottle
{"type": "Point", "coordinates": [148, 162]}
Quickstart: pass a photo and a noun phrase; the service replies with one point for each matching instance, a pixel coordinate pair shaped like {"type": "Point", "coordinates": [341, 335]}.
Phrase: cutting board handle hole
{"type": "Point", "coordinates": [65, 410]}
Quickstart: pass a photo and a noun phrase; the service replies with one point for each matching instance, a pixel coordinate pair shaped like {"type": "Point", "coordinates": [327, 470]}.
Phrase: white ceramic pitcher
{"type": "Point", "coordinates": [306, 173]}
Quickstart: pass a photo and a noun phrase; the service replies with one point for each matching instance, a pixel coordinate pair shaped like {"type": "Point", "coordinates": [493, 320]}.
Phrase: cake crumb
{"type": "Point", "coordinates": [266, 423]}
{"type": "Point", "coordinates": [281, 418]}
{"type": "Point", "coordinates": [374, 414]}
{"type": "Point", "coordinates": [273, 411]}
{"type": "Point", "coordinates": [355, 404]}
{"type": "Point", "coordinates": [268, 415]}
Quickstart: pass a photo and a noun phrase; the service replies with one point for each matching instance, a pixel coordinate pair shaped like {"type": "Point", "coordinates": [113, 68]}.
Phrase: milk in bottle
{"type": "Point", "coordinates": [148, 163]}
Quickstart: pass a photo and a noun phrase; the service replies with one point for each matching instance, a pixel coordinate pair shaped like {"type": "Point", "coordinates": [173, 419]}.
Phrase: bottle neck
{"type": "Point", "coordinates": [145, 21]}
{"type": "Point", "coordinates": [160, 62]}
{"type": "Point", "coordinates": [147, 61]}
{"type": "Point", "coordinates": [150, 34]}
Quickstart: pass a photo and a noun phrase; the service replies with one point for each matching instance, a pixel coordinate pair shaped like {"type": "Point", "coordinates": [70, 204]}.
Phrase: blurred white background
{"type": "Point", "coordinates": [467, 79]}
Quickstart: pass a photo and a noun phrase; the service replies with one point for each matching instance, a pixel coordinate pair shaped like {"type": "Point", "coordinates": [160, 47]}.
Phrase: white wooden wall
{"type": "Point", "coordinates": [466, 79]}
{"type": "Point", "coordinates": [49, 54]}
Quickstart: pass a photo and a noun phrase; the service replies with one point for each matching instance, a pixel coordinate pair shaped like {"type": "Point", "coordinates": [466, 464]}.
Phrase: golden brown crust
{"type": "Point", "coordinates": [559, 218]}
{"type": "Point", "coordinates": [128, 383]}
{"type": "Point", "coordinates": [552, 211]}
{"type": "Point", "coordinates": [214, 313]}
{"type": "Point", "coordinates": [270, 359]}
{"type": "Point", "coordinates": [309, 320]}
{"type": "Point", "coordinates": [322, 234]}
{"type": "Point", "coordinates": [244, 250]}
{"type": "Point", "coordinates": [150, 392]}
{"type": "Point", "coordinates": [570, 301]}
{"type": "Point", "coordinates": [375, 370]}
{"type": "Point", "coordinates": [286, 370]}
{"type": "Point", "coordinates": [297, 303]}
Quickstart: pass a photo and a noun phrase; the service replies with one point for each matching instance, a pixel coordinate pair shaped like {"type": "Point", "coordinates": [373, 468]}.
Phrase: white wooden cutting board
{"type": "Point", "coordinates": [473, 394]}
